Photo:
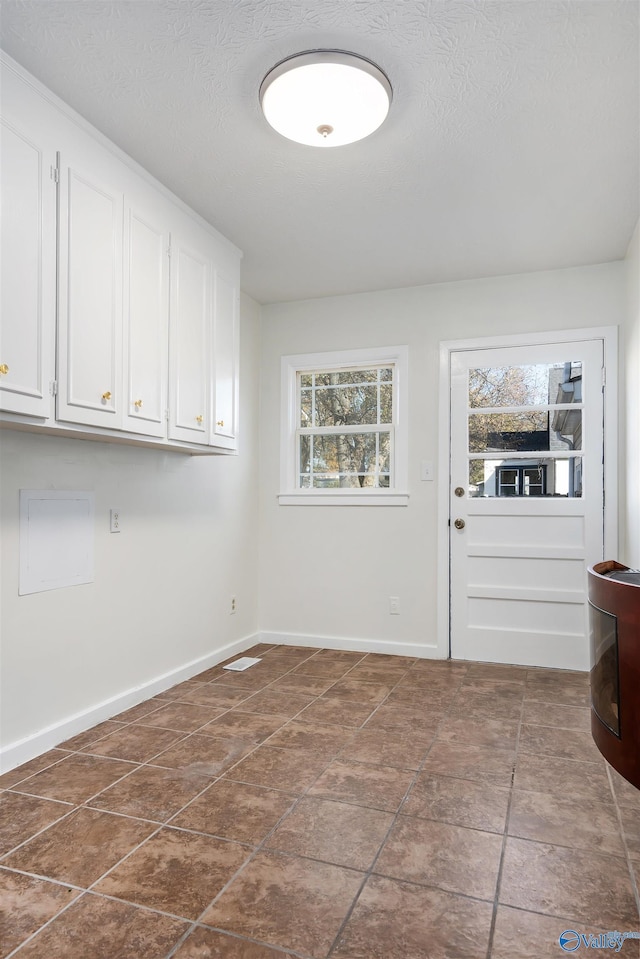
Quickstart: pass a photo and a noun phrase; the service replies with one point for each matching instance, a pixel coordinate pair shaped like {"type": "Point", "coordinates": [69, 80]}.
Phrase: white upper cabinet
{"type": "Point", "coordinates": [146, 314]}
{"type": "Point", "coordinates": [90, 299]}
{"type": "Point", "coordinates": [225, 366]}
{"type": "Point", "coordinates": [28, 256]}
{"type": "Point", "coordinates": [190, 340]}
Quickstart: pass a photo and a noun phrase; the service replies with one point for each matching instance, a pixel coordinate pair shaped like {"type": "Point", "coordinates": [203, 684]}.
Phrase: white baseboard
{"type": "Point", "coordinates": [419, 650]}
{"type": "Point", "coordinates": [21, 751]}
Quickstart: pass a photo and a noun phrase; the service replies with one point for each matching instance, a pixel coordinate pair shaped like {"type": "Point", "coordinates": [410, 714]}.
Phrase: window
{"type": "Point", "coordinates": [343, 428]}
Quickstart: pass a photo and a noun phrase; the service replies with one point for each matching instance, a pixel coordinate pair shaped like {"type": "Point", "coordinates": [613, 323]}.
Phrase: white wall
{"type": "Point", "coordinates": [162, 587]}
{"type": "Point", "coordinates": [630, 512]}
{"type": "Point", "coordinates": [326, 572]}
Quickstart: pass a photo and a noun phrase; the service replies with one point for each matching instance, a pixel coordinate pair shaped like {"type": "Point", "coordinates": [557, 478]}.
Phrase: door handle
{"type": "Point", "coordinates": [459, 523]}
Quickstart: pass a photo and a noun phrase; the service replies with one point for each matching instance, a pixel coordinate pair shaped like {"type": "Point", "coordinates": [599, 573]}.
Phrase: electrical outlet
{"type": "Point", "coordinates": [114, 520]}
{"type": "Point", "coordinates": [232, 606]}
{"type": "Point", "coordinates": [394, 605]}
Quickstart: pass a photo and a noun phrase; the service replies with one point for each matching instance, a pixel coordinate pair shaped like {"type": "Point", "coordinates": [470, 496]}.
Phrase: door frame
{"type": "Point", "coordinates": [609, 337]}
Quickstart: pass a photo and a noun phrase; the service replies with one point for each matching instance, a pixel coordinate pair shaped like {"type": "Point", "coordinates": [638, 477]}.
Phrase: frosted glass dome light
{"type": "Point", "coordinates": [325, 98]}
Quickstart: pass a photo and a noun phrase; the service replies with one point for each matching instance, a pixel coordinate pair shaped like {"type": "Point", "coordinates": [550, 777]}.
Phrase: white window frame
{"type": "Point", "coordinates": [290, 493]}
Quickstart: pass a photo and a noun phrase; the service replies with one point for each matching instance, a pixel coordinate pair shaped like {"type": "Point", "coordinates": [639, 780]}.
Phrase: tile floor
{"type": "Point", "coordinates": [325, 804]}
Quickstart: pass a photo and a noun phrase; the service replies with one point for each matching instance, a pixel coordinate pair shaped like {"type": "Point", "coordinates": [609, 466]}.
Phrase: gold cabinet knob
{"type": "Point", "coordinates": [138, 404]}
{"type": "Point", "coordinates": [4, 369]}
{"type": "Point", "coordinates": [199, 419]}
{"type": "Point", "coordinates": [107, 395]}
{"type": "Point", "coordinates": [220, 423]}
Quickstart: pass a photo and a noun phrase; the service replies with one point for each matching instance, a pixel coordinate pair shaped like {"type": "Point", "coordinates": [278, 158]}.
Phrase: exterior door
{"type": "Point", "coordinates": [526, 501]}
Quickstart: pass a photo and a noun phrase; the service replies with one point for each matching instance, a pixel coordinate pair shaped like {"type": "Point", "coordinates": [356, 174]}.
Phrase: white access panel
{"type": "Point", "coordinates": [56, 539]}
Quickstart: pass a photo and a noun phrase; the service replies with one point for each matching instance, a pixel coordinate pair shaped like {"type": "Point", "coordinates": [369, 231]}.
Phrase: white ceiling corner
{"type": "Point", "coordinates": [512, 143]}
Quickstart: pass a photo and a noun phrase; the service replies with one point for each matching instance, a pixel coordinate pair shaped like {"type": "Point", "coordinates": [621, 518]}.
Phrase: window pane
{"type": "Point", "coordinates": [346, 460]}
{"type": "Point", "coordinates": [346, 406]}
{"type": "Point", "coordinates": [526, 385]}
{"type": "Point", "coordinates": [550, 477]}
{"type": "Point", "coordinates": [386, 403]}
{"type": "Point", "coordinates": [306, 379]}
{"type": "Point", "coordinates": [356, 376]}
{"type": "Point", "coordinates": [305, 407]}
{"type": "Point", "coordinates": [386, 375]}
{"type": "Point", "coordinates": [558, 430]}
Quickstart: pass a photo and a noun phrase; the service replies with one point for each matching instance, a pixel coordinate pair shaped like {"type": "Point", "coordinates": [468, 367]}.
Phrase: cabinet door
{"type": "Point", "coordinates": [145, 322]}
{"type": "Point", "coordinates": [225, 360]}
{"type": "Point", "coordinates": [189, 342]}
{"type": "Point", "coordinates": [90, 298]}
{"type": "Point", "coordinates": [28, 258]}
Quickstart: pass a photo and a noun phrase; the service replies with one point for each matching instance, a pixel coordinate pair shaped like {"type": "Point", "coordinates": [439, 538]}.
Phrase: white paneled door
{"type": "Point", "coordinates": [526, 500]}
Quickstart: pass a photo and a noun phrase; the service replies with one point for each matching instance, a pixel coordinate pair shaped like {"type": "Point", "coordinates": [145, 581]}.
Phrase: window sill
{"type": "Point", "coordinates": [342, 497]}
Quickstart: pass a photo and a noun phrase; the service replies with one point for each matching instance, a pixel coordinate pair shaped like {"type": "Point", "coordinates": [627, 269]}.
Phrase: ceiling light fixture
{"type": "Point", "coordinates": [325, 98]}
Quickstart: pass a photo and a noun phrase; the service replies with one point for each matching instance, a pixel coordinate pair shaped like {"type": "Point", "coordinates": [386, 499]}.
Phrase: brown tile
{"type": "Point", "coordinates": [322, 668]}
{"type": "Point", "coordinates": [76, 778]}
{"type": "Point", "coordinates": [387, 747]}
{"type": "Point", "coordinates": [291, 652]}
{"type": "Point", "coordinates": [562, 717]}
{"type": "Point", "coordinates": [151, 793]}
{"type": "Point", "coordinates": [276, 704]}
{"type": "Point", "coordinates": [80, 848]}
{"type": "Point", "coordinates": [631, 830]}
{"type": "Point", "coordinates": [338, 656]}
{"type": "Point", "coordinates": [136, 743]}
{"type": "Point", "coordinates": [396, 920]}
{"type": "Point", "coordinates": [26, 770]}
{"type": "Point", "coordinates": [209, 695]}
{"type": "Point", "coordinates": [208, 944]}
{"type": "Point", "coordinates": [138, 712]}
{"type": "Point", "coordinates": [459, 802]}
{"type": "Point", "coordinates": [25, 905]}
{"type": "Point", "coordinates": [582, 825]}
{"type": "Point", "coordinates": [500, 691]}
{"type": "Point", "coordinates": [91, 735]}
{"type": "Point", "coordinates": [407, 718]}
{"type": "Point", "coordinates": [497, 672]}
{"type": "Point", "coordinates": [557, 694]}
{"type": "Point", "coordinates": [236, 811]}
{"type": "Point", "coordinates": [591, 887]}
{"type": "Point", "coordinates": [626, 793]}
{"type": "Point", "coordinates": [433, 697]}
{"type": "Point", "coordinates": [223, 694]}
{"type": "Point", "coordinates": [292, 770]}
{"type": "Point", "coordinates": [357, 691]}
{"type": "Point", "coordinates": [444, 682]}
{"type": "Point", "coordinates": [334, 832]}
{"type": "Point", "coordinates": [302, 685]}
{"type": "Point", "coordinates": [470, 703]}
{"type": "Point", "coordinates": [443, 667]}
{"type": "Point", "coordinates": [336, 712]}
{"type": "Point", "coordinates": [179, 690]}
{"type": "Point", "coordinates": [288, 902]}
{"type": "Point", "coordinates": [103, 929]}
{"type": "Point", "coordinates": [439, 854]}
{"type": "Point", "coordinates": [379, 787]}
{"type": "Point", "coordinates": [478, 763]}
{"type": "Point", "coordinates": [23, 816]}
{"type": "Point", "coordinates": [497, 733]}
{"type": "Point", "coordinates": [563, 779]}
{"type": "Point", "coordinates": [176, 872]}
{"type": "Point", "coordinates": [389, 659]}
{"type": "Point", "coordinates": [557, 677]}
{"type": "Point", "coordinates": [247, 727]}
{"type": "Point", "coordinates": [324, 740]}
{"type": "Point", "coordinates": [258, 650]}
{"type": "Point", "coordinates": [201, 755]}
{"type": "Point", "coordinates": [183, 717]}
{"type": "Point", "coordinates": [211, 675]}
{"type": "Point", "coordinates": [386, 673]}
{"type": "Point", "coordinates": [528, 935]}
{"type": "Point", "coordinates": [248, 682]}
{"type": "Point", "coordinates": [559, 743]}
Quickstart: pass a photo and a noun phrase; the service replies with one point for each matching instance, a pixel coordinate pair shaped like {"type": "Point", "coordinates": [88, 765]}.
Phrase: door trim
{"type": "Point", "coordinates": [609, 337]}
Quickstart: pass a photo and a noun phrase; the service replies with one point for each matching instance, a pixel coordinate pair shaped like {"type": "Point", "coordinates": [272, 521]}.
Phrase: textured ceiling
{"type": "Point", "coordinates": [511, 144]}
